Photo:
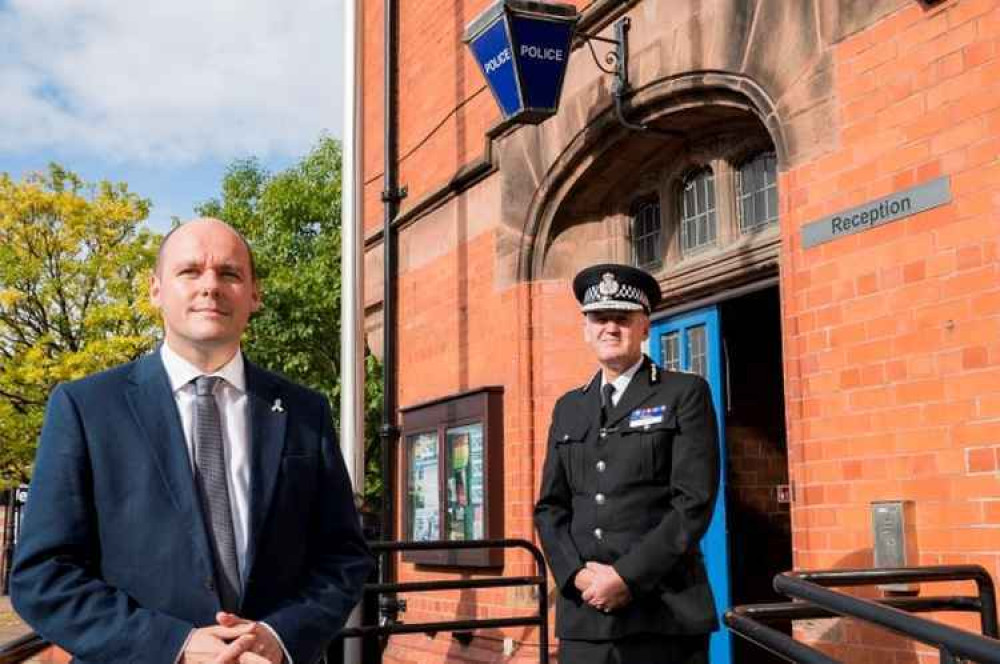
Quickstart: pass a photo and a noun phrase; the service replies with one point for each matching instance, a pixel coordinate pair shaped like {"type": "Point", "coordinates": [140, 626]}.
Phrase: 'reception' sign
{"type": "Point", "coordinates": [878, 212]}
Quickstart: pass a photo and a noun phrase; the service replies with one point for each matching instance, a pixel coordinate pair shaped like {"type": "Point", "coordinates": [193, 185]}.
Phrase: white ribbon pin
{"type": "Point", "coordinates": [277, 407]}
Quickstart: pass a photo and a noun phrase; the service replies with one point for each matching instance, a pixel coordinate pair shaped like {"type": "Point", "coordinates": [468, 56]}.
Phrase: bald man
{"type": "Point", "coordinates": [189, 506]}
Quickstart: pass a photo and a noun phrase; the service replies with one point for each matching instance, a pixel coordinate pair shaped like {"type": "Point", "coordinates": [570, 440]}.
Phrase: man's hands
{"type": "Point", "coordinates": [583, 579]}
{"type": "Point", "coordinates": [216, 645]}
{"type": "Point", "coordinates": [602, 588]}
{"type": "Point", "coordinates": [233, 641]}
{"type": "Point", "coordinates": [265, 650]}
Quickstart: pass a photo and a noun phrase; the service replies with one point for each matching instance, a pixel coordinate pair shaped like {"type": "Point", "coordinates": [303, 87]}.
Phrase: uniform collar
{"type": "Point", "coordinates": [597, 380]}
{"type": "Point", "coordinates": [621, 383]}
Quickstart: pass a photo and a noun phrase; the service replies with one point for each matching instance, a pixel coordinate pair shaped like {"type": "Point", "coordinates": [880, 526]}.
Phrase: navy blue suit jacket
{"type": "Point", "coordinates": [114, 563]}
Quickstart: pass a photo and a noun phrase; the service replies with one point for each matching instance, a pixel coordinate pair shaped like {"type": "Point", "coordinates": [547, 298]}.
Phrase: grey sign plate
{"type": "Point", "coordinates": [878, 212]}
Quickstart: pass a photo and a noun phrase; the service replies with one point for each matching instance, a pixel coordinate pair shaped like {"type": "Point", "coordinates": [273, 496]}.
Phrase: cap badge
{"type": "Point", "coordinates": [608, 286]}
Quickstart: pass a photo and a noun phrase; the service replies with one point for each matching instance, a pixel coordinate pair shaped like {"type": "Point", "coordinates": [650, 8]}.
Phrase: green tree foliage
{"type": "Point", "coordinates": [74, 272]}
{"type": "Point", "coordinates": [292, 221]}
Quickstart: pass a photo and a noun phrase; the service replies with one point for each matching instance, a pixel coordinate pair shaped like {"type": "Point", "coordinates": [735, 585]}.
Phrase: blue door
{"type": "Point", "coordinates": [692, 342]}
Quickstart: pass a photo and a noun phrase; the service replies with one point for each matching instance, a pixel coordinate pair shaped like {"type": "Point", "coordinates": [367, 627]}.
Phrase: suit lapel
{"type": "Point", "coordinates": [639, 389]}
{"type": "Point", "coordinates": [155, 411]}
{"type": "Point", "coordinates": [267, 441]}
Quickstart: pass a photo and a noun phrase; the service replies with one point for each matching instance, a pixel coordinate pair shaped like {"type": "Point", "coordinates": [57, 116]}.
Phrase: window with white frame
{"type": "Point", "coordinates": [757, 192]}
{"type": "Point", "coordinates": [646, 245]}
{"type": "Point", "coordinates": [721, 196]}
{"type": "Point", "coordinates": [697, 213]}
{"type": "Point", "coordinates": [670, 351]}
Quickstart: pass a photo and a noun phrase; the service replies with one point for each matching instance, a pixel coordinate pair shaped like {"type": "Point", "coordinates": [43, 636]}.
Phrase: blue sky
{"type": "Point", "coordinates": [163, 95]}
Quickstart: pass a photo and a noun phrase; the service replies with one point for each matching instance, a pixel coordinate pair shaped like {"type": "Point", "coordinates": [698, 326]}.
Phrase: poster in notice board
{"type": "Point", "coordinates": [423, 499]}
{"type": "Point", "coordinates": [465, 515]}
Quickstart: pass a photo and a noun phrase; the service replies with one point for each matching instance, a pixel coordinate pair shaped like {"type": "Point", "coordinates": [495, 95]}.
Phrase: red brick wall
{"type": "Point", "coordinates": [445, 107]}
{"type": "Point", "coordinates": [372, 100]}
{"type": "Point", "coordinates": [457, 332]}
{"type": "Point", "coordinates": [892, 336]}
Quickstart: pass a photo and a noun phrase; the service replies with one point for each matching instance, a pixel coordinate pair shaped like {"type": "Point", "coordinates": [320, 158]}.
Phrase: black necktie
{"type": "Point", "coordinates": [213, 490]}
{"type": "Point", "coordinates": [606, 403]}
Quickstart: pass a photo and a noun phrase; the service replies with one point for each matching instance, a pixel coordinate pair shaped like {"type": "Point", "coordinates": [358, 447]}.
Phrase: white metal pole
{"type": "Point", "coordinates": [352, 347]}
{"type": "Point", "coordinates": [352, 262]}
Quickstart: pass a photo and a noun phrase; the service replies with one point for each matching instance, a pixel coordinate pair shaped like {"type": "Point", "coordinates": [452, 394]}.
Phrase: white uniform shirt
{"type": "Point", "coordinates": [621, 383]}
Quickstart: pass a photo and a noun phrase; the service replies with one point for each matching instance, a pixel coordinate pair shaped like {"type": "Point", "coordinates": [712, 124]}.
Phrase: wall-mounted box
{"type": "Point", "coordinates": [894, 538]}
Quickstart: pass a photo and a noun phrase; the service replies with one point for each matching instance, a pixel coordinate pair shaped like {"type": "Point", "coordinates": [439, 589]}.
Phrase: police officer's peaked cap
{"type": "Point", "coordinates": [612, 287]}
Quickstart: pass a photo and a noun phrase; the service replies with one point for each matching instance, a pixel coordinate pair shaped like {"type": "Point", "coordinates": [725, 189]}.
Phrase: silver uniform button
{"type": "Point", "coordinates": [598, 533]}
{"type": "Point", "coordinates": [599, 498]}
{"type": "Point", "coordinates": [601, 466]}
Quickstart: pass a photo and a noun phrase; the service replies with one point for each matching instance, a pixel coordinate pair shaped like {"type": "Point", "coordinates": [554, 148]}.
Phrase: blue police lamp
{"type": "Point", "coordinates": [523, 48]}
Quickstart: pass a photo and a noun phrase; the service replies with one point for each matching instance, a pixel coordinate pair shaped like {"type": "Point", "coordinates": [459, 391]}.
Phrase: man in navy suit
{"type": "Point", "coordinates": [189, 506]}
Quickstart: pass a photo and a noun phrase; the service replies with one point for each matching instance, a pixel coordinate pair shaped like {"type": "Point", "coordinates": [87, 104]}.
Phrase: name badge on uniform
{"type": "Point", "coordinates": [645, 417]}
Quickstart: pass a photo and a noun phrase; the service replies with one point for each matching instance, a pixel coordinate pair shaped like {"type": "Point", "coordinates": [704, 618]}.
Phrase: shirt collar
{"type": "Point", "coordinates": [625, 378]}
{"type": "Point", "coordinates": [181, 372]}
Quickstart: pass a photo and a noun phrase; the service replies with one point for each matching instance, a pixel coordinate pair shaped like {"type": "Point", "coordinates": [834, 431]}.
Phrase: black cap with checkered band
{"type": "Point", "coordinates": [613, 287]}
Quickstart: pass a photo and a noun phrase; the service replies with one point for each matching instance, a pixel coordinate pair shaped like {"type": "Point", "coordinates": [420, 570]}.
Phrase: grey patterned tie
{"type": "Point", "coordinates": [213, 490]}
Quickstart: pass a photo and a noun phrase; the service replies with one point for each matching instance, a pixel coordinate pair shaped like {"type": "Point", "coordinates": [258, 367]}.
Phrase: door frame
{"type": "Point", "coordinates": [715, 544]}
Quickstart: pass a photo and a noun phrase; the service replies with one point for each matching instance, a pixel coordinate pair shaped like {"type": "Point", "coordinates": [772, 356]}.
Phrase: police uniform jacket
{"type": "Point", "coordinates": [636, 493]}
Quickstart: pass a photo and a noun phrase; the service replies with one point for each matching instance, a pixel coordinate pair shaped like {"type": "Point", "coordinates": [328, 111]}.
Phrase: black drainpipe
{"type": "Point", "coordinates": [391, 196]}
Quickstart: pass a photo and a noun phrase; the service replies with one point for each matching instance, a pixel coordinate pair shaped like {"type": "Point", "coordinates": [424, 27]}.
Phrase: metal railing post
{"type": "Point", "coordinates": [539, 580]}
{"type": "Point", "coordinates": [892, 613]}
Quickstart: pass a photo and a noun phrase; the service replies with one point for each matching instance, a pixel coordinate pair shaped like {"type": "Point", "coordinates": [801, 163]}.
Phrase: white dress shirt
{"type": "Point", "coordinates": [621, 383]}
{"type": "Point", "coordinates": [234, 414]}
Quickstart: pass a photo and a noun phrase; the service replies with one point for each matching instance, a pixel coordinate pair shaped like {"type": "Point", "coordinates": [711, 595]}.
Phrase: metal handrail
{"type": "Point", "coordinates": [950, 641]}
{"type": "Point", "coordinates": [773, 640]}
{"type": "Point", "coordinates": [19, 649]}
{"type": "Point", "coordinates": [540, 581]}
{"type": "Point", "coordinates": [746, 620]}
{"type": "Point", "coordinates": [890, 612]}
{"type": "Point", "coordinates": [775, 611]}
{"type": "Point", "coordinates": [986, 590]}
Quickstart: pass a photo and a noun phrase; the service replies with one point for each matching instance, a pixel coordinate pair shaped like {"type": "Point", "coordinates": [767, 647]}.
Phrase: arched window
{"type": "Point", "coordinates": [757, 192]}
{"type": "Point", "coordinates": [698, 219]}
{"type": "Point", "coordinates": [646, 246]}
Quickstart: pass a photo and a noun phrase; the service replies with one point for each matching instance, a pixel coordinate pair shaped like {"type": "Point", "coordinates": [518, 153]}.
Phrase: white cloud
{"type": "Point", "coordinates": [177, 81]}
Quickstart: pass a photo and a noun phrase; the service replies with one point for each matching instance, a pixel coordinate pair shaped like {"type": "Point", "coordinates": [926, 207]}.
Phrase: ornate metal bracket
{"type": "Point", "coordinates": [617, 60]}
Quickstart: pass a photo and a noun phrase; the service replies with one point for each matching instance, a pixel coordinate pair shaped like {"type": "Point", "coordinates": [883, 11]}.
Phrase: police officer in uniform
{"type": "Point", "coordinates": [627, 492]}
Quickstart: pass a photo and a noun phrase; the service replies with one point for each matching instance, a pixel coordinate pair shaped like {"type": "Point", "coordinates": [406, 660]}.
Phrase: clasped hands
{"type": "Point", "coordinates": [233, 640]}
{"type": "Point", "coordinates": [601, 587]}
